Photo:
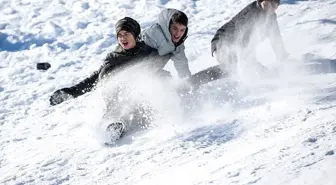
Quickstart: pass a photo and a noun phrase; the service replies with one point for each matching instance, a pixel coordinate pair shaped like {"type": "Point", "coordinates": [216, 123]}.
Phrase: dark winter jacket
{"type": "Point", "coordinates": [249, 27]}
{"type": "Point", "coordinates": [117, 59]}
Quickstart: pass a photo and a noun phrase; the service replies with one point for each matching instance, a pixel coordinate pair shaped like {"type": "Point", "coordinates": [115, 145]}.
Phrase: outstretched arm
{"type": "Point", "coordinates": [90, 82]}
{"type": "Point", "coordinates": [276, 40]}
{"type": "Point", "coordinates": [82, 87]}
{"type": "Point", "coordinates": [181, 64]}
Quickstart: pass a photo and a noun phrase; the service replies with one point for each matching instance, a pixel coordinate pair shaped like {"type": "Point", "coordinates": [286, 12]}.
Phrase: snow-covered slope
{"type": "Point", "coordinates": [267, 131]}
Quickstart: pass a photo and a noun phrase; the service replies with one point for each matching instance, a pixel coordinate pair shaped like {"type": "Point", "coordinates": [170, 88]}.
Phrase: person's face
{"type": "Point", "coordinates": [269, 6]}
{"type": "Point", "coordinates": [126, 39]}
{"type": "Point", "coordinates": [177, 31]}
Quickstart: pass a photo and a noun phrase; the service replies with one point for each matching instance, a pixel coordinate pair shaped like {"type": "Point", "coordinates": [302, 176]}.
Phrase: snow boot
{"type": "Point", "coordinates": [116, 130]}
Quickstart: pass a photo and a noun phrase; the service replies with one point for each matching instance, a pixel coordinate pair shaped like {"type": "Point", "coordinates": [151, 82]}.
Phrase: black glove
{"type": "Point", "coordinates": [60, 96]}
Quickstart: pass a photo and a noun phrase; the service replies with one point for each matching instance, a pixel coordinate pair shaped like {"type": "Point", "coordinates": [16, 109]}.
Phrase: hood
{"type": "Point", "coordinates": [164, 20]}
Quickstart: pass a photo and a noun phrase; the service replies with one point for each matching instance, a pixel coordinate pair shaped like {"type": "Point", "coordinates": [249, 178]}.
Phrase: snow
{"type": "Point", "coordinates": [278, 130]}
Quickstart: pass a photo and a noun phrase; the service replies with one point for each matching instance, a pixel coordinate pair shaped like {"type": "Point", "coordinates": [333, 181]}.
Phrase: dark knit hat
{"type": "Point", "coordinates": [128, 24]}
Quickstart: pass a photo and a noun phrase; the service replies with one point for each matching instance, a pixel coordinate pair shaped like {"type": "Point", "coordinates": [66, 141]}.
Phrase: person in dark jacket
{"type": "Point", "coordinates": [238, 38]}
{"type": "Point", "coordinates": [129, 51]}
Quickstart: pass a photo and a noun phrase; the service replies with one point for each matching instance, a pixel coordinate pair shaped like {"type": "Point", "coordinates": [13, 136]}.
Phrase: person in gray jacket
{"type": "Point", "coordinates": [168, 36]}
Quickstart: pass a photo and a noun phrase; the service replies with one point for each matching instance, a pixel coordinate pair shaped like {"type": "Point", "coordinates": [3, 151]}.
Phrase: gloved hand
{"type": "Point", "coordinates": [60, 96]}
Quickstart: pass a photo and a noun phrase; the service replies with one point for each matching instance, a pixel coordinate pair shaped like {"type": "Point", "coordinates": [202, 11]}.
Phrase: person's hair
{"type": "Point", "coordinates": [275, 1]}
{"type": "Point", "coordinates": [179, 17]}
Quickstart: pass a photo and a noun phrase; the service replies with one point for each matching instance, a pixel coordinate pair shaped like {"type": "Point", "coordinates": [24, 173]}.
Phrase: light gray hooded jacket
{"type": "Point", "coordinates": [159, 37]}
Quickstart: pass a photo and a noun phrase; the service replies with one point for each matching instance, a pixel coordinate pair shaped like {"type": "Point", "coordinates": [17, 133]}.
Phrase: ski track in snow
{"type": "Point", "coordinates": [275, 131]}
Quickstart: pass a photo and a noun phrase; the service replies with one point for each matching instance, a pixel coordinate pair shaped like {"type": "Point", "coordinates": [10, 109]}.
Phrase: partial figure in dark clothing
{"type": "Point", "coordinates": [237, 39]}
{"type": "Point", "coordinates": [128, 52]}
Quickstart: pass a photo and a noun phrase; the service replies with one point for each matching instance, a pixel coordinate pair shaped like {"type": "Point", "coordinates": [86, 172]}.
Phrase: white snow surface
{"type": "Point", "coordinates": [278, 131]}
